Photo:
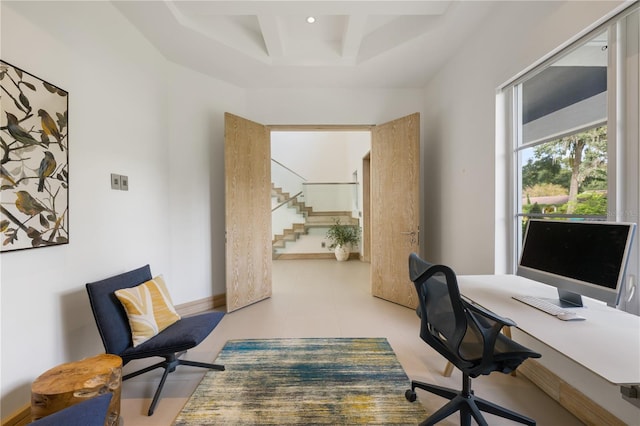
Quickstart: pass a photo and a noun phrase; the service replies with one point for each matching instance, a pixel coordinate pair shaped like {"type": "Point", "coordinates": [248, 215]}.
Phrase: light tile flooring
{"type": "Point", "coordinates": [326, 298]}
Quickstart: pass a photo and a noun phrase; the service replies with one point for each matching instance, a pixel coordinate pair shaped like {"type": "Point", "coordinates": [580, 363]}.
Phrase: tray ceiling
{"type": "Point", "coordinates": [270, 43]}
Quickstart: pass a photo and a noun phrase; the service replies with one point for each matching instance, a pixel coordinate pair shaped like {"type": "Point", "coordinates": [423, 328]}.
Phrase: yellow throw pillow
{"type": "Point", "coordinates": [149, 309]}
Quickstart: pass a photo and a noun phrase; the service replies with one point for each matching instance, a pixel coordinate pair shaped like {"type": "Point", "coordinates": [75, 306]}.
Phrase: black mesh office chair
{"type": "Point", "coordinates": [469, 337]}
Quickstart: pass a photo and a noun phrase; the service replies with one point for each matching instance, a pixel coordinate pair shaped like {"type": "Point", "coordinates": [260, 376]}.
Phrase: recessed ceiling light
{"type": "Point", "coordinates": [311, 19]}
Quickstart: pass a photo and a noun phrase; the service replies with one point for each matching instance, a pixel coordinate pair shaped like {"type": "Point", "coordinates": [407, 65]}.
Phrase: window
{"type": "Point", "coordinates": [572, 127]}
{"type": "Point", "coordinates": [562, 147]}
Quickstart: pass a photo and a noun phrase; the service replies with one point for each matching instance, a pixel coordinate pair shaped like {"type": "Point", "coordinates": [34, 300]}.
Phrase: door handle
{"type": "Point", "coordinates": [413, 234]}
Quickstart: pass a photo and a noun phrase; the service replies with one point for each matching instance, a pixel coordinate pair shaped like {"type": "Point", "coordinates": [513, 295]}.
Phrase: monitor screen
{"type": "Point", "coordinates": [579, 257]}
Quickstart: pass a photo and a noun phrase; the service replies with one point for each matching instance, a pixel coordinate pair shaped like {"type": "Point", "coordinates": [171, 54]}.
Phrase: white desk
{"type": "Point", "coordinates": [607, 343]}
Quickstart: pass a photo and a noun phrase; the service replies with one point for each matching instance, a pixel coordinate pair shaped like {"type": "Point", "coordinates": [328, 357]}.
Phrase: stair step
{"type": "Point", "coordinates": [312, 219]}
{"type": "Point", "coordinates": [315, 221]}
{"type": "Point", "coordinates": [332, 213]}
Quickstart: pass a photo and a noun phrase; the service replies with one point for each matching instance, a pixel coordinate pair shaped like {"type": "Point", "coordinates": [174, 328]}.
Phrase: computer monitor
{"type": "Point", "coordinates": [578, 257]}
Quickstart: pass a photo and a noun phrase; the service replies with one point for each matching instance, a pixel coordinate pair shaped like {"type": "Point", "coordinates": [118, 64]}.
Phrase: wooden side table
{"type": "Point", "coordinates": [73, 382]}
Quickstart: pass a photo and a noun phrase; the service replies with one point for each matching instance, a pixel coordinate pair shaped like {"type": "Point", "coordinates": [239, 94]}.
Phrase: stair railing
{"type": "Point", "coordinates": [283, 177]}
{"type": "Point", "coordinates": [332, 196]}
{"type": "Point", "coordinates": [289, 212]}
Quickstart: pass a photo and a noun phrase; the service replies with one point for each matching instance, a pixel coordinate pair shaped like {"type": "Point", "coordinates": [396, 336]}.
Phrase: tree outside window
{"type": "Point", "coordinates": [567, 175]}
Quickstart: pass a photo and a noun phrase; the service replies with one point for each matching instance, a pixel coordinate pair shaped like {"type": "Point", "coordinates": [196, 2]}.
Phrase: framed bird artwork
{"type": "Point", "coordinates": [34, 161]}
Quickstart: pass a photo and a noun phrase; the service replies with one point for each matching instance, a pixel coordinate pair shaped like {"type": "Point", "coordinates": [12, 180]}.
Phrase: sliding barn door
{"type": "Point", "coordinates": [247, 212]}
{"type": "Point", "coordinates": [395, 210]}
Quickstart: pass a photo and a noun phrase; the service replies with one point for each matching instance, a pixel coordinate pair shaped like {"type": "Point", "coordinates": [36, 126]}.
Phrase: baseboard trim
{"type": "Point", "coordinates": [307, 256]}
{"type": "Point", "coordinates": [219, 300]}
{"type": "Point", "coordinates": [577, 403]}
{"type": "Point", "coordinates": [22, 417]}
{"type": "Point", "coordinates": [202, 305]}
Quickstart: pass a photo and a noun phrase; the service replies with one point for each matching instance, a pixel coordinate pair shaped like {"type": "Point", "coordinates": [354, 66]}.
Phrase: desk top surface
{"type": "Point", "coordinates": [607, 343]}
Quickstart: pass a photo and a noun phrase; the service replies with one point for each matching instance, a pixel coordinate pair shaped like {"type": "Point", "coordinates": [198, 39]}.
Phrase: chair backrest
{"type": "Point", "coordinates": [108, 312]}
{"type": "Point", "coordinates": [466, 334]}
{"type": "Point", "coordinates": [444, 321]}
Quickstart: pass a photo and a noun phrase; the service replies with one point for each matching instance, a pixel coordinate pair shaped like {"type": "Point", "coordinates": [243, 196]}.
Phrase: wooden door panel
{"type": "Point", "coordinates": [395, 212]}
{"type": "Point", "coordinates": [247, 212]}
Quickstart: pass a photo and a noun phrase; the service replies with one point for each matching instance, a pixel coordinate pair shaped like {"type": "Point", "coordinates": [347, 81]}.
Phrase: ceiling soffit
{"type": "Point", "coordinates": [277, 33]}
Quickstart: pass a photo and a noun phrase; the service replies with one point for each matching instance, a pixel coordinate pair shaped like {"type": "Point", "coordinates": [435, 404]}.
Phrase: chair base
{"type": "Point", "coordinates": [466, 403]}
{"type": "Point", "coordinates": [169, 364]}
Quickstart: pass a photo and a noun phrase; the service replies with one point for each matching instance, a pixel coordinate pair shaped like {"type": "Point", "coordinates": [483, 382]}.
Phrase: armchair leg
{"type": "Point", "coordinates": [156, 396]}
{"type": "Point", "coordinates": [144, 370]}
{"type": "Point", "coordinates": [201, 365]}
{"type": "Point", "coordinates": [169, 365]}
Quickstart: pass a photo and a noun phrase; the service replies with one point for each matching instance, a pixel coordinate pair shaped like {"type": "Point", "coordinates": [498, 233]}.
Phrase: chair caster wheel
{"type": "Point", "coordinates": [410, 395]}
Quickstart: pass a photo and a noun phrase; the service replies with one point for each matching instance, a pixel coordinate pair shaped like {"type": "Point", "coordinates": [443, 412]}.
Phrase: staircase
{"type": "Point", "coordinates": [311, 219]}
{"type": "Point", "coordinates": [282, 196]}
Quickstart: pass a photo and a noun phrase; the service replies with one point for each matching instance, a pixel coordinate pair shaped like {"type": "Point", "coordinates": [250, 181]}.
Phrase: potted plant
{"type": "Point", "coordinates": [341, 237]}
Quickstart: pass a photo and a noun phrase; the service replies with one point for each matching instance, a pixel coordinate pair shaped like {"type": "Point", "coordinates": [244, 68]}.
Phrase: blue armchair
{"type": "Point", "coordinates": [172, 342]}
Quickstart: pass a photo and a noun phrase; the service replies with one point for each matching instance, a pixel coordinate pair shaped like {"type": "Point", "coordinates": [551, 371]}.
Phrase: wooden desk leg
{"type": "Point", "coordinates": [507, 332]}
{"type": "Point", "coordinates": [448, 370]}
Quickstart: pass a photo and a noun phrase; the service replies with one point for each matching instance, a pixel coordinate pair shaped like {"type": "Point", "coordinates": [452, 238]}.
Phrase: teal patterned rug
{"type": "Point", "coordinates": [337, 381]}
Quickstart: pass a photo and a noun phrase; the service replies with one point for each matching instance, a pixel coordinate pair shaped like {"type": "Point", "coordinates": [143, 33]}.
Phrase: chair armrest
{"type": "Point", "coordinates": [487, 313]}
{"type": "Point", "coordinates": [490, 325]}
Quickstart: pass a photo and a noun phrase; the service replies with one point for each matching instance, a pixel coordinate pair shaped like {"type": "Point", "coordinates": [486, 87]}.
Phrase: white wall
{"type": "Point", "coordinates": [133, 113]}
{"type": "Point", "coordinates": [316, 156]}
{"type": "Point", "coordinates": [116, 100]}
{"type": "Point", "coordinates": [460, 151]}
{"type": "Point", "coordinates": [331, 105]}
{"type": "Point", "coordinates": [358, 147]}
{"type": "Point", "coordinates": [197, 104]}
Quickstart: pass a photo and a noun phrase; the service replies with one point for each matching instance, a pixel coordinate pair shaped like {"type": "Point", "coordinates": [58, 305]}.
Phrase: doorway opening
{"type": "Point", "coordinates": [318, 177]}
{"type": "Point", "coordinates": [394, 195]}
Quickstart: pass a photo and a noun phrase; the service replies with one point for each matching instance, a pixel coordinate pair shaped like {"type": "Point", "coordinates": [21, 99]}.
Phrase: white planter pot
{"type": "Point", "coordinates": [342, 253]}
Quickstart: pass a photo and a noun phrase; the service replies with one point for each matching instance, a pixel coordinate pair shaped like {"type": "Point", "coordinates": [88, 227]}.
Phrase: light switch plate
{"type": "Point", "coordinates": [115, 181]}
{"type": "Point", "coordinates": [124, 183]}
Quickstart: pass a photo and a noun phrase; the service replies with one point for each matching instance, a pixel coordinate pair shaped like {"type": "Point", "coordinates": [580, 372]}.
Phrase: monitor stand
{"type": "Point", "coordinates": [567, 299]}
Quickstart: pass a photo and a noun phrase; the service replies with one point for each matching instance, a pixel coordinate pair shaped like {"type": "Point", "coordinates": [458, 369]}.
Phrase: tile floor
{"type": "Point", "coordinates": [325, 298]}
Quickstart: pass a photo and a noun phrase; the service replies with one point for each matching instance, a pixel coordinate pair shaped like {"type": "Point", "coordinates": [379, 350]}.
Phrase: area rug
{"type": "Point", "coordinates": [337, 381]}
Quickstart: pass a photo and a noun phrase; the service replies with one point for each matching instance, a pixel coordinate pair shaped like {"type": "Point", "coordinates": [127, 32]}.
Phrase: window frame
{"type": "Point", "coordinates": [623, 204]}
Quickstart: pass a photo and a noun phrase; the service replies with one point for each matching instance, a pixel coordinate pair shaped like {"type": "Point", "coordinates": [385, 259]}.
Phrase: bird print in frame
{"type": "Point", "coordinates": [34, 161]}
